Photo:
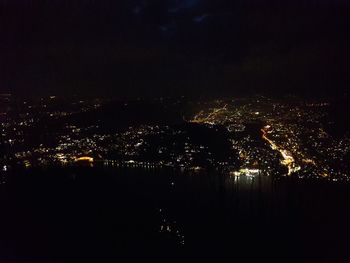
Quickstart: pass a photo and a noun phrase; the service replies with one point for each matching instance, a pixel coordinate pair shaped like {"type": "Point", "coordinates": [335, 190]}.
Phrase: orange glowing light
{"type": "Point", "coordinates": [85, 158]}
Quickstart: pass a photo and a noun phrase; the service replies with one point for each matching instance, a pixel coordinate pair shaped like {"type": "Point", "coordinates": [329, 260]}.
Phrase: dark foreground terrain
{"type": "Point", "coordinates": [100, 215]}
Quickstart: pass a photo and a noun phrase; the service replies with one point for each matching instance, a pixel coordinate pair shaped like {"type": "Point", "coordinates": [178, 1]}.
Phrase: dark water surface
{"type": "Point", "coordinates": [111, 215]}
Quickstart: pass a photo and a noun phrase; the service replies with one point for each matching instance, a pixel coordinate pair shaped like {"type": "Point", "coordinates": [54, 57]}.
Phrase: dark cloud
{"type": "Point", "coordinates": [136, 48]}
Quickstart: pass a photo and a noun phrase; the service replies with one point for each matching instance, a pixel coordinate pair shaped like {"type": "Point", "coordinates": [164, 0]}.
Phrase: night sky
{"type": "Point", "coordinates": [136, 48]}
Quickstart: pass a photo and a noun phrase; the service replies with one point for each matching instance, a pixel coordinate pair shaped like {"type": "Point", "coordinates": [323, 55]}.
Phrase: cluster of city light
{"type": "Point", "coordinates": [211, 117]}
{"type": "Point", "coordinates": [305, 150]}
{"type": "Point", "coordinates": [288, 159]}
{"type": "Point", "coordinates": [250, 173]}
{"type": "Point", "coordinates": [287, 138]}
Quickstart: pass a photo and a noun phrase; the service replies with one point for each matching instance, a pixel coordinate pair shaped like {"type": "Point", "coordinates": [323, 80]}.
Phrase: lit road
{"type": "Point", "coordinates": [288, 160]}
{"type": "Point", "coordinates": [211, 116]}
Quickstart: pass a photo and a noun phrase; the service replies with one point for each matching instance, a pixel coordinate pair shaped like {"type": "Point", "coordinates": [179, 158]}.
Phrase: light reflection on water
{"type": "Point", "coordinates": [208, 210]}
